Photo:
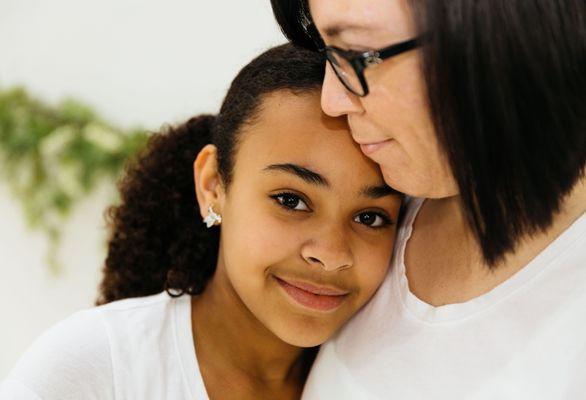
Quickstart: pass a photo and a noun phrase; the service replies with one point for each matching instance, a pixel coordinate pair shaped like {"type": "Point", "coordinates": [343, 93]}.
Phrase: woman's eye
{"type": "Point", "coordinates": [372, 219]}
{"type": "Point", "coordinates": [291, 201]}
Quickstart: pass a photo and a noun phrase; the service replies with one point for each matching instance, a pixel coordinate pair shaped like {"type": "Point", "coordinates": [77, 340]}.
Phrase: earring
{"type": "Point", "coordinates": [212, 218]}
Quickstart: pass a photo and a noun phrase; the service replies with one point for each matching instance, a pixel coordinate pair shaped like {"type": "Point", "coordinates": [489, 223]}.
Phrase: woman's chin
{"type": "Point", "coordinates": [417, 185]}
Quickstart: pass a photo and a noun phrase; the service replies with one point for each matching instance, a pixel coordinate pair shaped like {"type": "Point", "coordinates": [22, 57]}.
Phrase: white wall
{"type": "Point", "coordinates": [136, 62]}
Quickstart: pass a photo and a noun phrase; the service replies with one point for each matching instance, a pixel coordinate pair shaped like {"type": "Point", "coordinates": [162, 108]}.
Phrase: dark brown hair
{"type": "Point", "coordinates": [158, 241]}
{"type": "Point", "coordinates": [506, 84]}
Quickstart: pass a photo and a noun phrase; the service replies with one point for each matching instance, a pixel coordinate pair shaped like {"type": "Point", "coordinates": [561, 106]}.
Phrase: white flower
{"type": "Point", "coordinates": [102, 137]}
{"type": "Point", "coordinates": [55, 142]}
{"type": "Point", "coordinates": [67, 177]}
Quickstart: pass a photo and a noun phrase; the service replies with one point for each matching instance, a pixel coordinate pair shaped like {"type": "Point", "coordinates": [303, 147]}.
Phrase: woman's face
{"type": "Point", "coordinates": [392, 123]}
{"type": "Point", "coordinates": [308, 223]}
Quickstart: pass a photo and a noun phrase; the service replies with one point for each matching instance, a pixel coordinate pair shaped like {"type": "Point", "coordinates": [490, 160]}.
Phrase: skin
{"type": "Point", "coordinates": [395, 112]}
{"type": "Point", "coordinates": [256, 340]}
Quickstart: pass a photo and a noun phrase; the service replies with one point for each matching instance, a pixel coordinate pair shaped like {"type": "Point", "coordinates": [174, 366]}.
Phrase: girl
{"type": "Point", "coordinates": [298, 233]}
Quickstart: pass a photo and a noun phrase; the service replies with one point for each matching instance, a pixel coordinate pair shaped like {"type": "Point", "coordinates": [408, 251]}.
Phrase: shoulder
{"type": "Point", "coordinates": [77, 357]}
{"type": "Point", "coordinates": [70, 360]}
{"type": "Point", "coordinates": [139, 322]}
{"type": "Point", "coordinates": [138, 307]}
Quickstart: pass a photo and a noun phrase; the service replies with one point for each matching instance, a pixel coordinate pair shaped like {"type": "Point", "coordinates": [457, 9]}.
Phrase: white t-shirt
{"type": "Point", "coordinates": [525, 339]}
{"type": "Point", "coordinates": [139, 348]}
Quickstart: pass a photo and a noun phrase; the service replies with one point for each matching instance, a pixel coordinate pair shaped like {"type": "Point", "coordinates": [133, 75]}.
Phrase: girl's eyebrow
{"type": "Point", "coordinates": [377, 192]}
{"type": "Point", "coordinates": [307, 175]}
{"type": "Point", "coordinates": [314, 178]}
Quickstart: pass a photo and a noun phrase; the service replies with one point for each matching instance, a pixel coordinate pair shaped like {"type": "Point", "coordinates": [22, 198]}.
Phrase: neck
{"type": "Point", "coordinates": [572, 208]}
{"type": "Point", "coordinates": [229, 338]}
{"type": "Point", "coordinates": [454, 271]}
{"type": "Point", "coordinates": [528, 247]}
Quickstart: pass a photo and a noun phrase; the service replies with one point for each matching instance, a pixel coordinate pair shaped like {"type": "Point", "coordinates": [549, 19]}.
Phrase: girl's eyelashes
{"type": "Point", "coordinates": [291, 201]}
{"type": "Point", "coordinates": [373, 219]}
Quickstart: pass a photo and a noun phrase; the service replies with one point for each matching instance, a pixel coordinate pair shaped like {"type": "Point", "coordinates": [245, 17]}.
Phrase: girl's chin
{"type": "Point", "coordinates": [304, 333]}
{"type": "Point", "coordinates": [304, 342]}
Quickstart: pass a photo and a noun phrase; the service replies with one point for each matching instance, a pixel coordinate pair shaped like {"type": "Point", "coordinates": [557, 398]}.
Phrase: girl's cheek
{"type": "Point", "coordinates": [270, 239]}
{"type": "Point", "coordinates": [374, 264]}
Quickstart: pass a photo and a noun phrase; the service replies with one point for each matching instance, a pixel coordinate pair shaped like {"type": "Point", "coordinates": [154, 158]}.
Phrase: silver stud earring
{"type": "Point", "coordinates": [212, 218]}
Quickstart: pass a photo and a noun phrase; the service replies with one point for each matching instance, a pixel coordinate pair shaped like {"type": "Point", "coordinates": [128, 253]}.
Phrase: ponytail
{"type": "Point", "coordinates": [157, 241]}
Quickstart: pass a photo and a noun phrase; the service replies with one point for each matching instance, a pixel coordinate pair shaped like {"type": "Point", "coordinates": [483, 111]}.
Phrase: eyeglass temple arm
{"type": "Point", "coordinates": [399, 48]}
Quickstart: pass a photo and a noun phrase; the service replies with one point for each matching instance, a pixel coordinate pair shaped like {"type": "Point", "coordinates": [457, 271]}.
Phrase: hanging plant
{"type": "Point", "coordinates": [53, 157]}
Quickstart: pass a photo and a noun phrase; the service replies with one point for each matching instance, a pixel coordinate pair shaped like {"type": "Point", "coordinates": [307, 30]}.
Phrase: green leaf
{"type": "Point", "coordinates": [52, 157]}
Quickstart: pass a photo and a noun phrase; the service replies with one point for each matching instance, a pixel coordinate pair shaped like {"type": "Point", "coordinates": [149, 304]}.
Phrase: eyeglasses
{"type": "Point", "coordinates": [349, 65]}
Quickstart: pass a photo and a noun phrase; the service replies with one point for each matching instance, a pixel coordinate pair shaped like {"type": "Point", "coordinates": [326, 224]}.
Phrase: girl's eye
{"type": "Point", "coordinates": [291, 201]}
{"type": "Point", "coordinates": [372, 219]}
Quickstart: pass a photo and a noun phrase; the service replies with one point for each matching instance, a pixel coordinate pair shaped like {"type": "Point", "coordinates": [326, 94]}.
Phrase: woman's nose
{"type": "Point", "coordinates": [336, 100]}
{"type": "Point", "coordinates": [330, 251]}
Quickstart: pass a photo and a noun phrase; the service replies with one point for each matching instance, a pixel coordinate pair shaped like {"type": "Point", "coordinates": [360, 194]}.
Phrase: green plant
{"type": "Point", "coordinates": [52, 157]}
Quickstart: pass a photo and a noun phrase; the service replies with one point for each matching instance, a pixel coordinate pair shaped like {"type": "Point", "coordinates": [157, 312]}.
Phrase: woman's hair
{"type": "Point", "coordinates": [506, 84]}
{"type": "Point", "coordinates": [157, 239]}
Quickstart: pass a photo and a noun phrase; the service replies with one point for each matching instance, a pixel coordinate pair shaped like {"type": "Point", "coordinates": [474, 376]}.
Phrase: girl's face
{"type": "Point", "coordinates": [392, 123]}
{"type": "Point", "coordinates": [308, 223]}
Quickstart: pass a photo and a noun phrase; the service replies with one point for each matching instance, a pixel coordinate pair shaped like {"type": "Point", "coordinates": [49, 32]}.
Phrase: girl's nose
{"type": "Point", "coordinates": [330, 250]}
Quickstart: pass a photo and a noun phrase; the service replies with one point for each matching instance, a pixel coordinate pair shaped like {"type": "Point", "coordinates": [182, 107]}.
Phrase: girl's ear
{"type": "Point", "coordinates": [208, 183]}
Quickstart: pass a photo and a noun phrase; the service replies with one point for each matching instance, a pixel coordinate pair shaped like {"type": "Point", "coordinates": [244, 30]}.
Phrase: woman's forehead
{"type": "Point", "coordinates": [377, 19]}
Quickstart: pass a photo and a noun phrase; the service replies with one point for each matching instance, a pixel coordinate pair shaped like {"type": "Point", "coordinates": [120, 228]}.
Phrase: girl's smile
{"type": "Point", "coordinates": [312, 296]}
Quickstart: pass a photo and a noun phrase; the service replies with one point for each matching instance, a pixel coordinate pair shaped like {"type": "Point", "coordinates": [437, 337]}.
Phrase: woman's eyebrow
{"type": "Point", "coordinates": [307, 175]}
{"type": "Point", "coordinates": [334, 30]}
{"type": "Point", "coordinates": [376, 192]}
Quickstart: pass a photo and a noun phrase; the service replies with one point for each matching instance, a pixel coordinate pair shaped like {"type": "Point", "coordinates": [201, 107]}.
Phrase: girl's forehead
{"type": "Point", "coordinates": [292, 128]}
{"type": "Point", "coordinates": [289, 123]}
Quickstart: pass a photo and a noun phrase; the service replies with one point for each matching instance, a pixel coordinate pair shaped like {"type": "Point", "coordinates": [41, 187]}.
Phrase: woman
{"type": "Point", "coordinates": [478, 107]}
{"type": "Point", "coordinates": [292, 246]}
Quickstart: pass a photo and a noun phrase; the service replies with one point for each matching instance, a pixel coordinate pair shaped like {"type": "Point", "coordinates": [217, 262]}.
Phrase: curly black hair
{"type": "Point", "coordinates": [157, 240]}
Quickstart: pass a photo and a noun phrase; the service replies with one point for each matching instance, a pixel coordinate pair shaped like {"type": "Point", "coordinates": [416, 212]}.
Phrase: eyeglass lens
{"type": "Point", "coordinates": [345, 72]}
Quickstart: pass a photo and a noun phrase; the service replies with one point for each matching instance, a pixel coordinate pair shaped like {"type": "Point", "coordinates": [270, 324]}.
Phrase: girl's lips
{"type": "Point", "coordinates": [313, 297]}
{"type": "Point", "coordinates": [370, 148]}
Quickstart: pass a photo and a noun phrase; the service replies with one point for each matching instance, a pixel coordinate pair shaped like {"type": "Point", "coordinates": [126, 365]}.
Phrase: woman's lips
{"type": "Point", "coordinates": [317, 298]}
{"type": "Point", "coordinates": [369, 148]}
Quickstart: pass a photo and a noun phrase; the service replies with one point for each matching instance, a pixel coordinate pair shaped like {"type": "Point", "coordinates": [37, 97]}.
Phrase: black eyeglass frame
{"type": "Point", "coordinates": [362, 60]}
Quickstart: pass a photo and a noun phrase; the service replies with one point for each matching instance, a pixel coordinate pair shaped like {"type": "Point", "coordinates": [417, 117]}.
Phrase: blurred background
{"type": "Point", "coordinates": [81, 82]}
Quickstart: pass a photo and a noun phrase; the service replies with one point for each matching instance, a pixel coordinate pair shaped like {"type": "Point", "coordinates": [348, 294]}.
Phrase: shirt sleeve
{"type": "Point", "coordinates": [71, 360]}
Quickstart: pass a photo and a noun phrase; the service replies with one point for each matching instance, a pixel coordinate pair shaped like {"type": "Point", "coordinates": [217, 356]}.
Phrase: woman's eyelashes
{"type": "Point", "coordinates": [295, 203]}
